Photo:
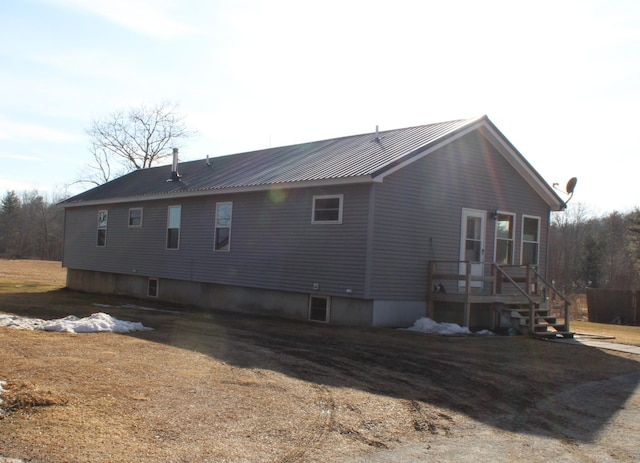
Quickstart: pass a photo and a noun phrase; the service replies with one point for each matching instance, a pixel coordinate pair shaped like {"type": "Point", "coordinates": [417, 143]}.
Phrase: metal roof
{"type": "Point", "coordinates": [347, 159]}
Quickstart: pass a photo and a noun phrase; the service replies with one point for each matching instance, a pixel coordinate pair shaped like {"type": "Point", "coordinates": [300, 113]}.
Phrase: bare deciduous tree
{"type": "Point", "coordinates": [30, 227]}
{"type": "Point", "coordinates": [133, 139]}
{"type": "Point", "coordinates": [565, 239]}
{"type": "Point", "coordinates": [599, 252]}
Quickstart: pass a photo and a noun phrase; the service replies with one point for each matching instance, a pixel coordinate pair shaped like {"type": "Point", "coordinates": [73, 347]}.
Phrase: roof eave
{"type": "Point", "coordinates": [362, 179]}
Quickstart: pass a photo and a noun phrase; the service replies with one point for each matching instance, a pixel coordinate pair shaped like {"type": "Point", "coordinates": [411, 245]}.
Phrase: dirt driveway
{"type": "Point", "coordinates": [220, 387]}
{"type": "Point", "coordinates": [566, 434]}
{"type": "Point", "coordinates": [225, 387]}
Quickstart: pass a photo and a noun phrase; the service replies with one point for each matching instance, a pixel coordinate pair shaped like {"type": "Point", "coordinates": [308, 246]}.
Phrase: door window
{"type": "Point", "coordinates": [473, 245]}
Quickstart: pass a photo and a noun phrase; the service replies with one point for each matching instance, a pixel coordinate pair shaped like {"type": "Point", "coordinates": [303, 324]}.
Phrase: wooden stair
{"type": "Point", "coordinates": [544, 324]}
{"type": "Point", "coordinates": [517, 293]}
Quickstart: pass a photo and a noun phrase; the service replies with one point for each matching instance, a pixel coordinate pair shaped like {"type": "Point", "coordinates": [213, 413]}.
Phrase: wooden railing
{"type": "Point", "coordinates": [498, 271]}
{"type": "Point", "coordinates": [529, 284]}
{"type": "Point", "coordinates": [567, 304]}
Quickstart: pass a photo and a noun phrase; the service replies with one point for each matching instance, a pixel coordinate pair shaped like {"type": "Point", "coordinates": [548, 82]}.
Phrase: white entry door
{"type": "Point", "coordinates": [472, 243]}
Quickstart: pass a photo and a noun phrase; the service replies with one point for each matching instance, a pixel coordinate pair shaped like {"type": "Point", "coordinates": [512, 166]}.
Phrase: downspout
{"type": "Point", "coordinates": [369, 246]}
{"type": "Point", "coordinates": [64, 233]}
{"type": "Point", "coordinates": [64, 239]}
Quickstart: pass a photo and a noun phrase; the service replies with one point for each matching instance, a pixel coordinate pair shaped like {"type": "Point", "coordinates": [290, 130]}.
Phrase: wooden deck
{"type": "Point", "coordinates": [519, 292]}
{"type": "Point", "coordinates": [483, 298]}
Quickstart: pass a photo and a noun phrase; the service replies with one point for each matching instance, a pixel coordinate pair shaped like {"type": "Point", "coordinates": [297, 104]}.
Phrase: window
{"type": "Point", "coordinates": [327, 209]}
{"type": "Point", "coordinates": [173, 227]}
{"type": "Point", "coordinates": [504, 239]}
{"type": "Point", "coordinates": [530, 240]}
{"type": "Point", "coordinates": [222, 234]}
{"type": "Point", "coordinates": [152, 289]}
{"type": "Point", "coordinates": [135, 217]}
{"type": "Point", "coordinates": [319, 308]}
{"type": "Point", "coordinates": [102, 228]}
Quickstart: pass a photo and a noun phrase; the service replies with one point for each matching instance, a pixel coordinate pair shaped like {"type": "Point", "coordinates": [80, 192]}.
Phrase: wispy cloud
{"type": "Point", "coordinates": [90, 63]}
{"type": "Point", "coordinates": [152, 18]}
{"type": "Point", "coordinates": [19, 157]}
{"type": "Point", "coordinates": [10, 184]}
{"type": "Point", "coordinates": [11, 130]}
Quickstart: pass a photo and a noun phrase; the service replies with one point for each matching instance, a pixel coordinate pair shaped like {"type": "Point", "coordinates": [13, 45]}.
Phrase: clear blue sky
{"type": "Point", "coordinates": [561, 79]}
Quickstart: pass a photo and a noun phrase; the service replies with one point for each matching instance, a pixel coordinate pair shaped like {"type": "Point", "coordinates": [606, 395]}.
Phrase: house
{"type": "Point", "coordinates": [347, 231]}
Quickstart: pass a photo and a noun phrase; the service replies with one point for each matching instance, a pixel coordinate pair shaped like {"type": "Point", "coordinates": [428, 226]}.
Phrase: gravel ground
{"type": "Point", "coordinates": [569, 438]}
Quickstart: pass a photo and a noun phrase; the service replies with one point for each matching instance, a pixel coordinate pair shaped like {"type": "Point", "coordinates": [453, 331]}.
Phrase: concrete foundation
{"type": "Point", "coordinates": [481, 316]}
{"type": "Point", "coordinates": [401, 314]}
{"type": "Point", "coordinates": [349, 311]}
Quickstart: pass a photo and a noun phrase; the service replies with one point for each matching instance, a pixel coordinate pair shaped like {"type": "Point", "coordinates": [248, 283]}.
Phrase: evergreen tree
{"type": "Point", "coordinates": [590, 261]}
{"type": "Point", "coordinates": [30, 227]}
{"type": "Point", "coordinates": [634, 241]}
{"type": "Point", "coordinates": [10, 212]}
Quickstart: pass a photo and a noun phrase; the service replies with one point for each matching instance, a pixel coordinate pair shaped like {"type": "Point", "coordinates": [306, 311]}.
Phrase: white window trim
{"type": "Point", "coordinates": [129, 217]}
{"type": "Point", "coordinates": [313, 209]}
{"type": "Point", "coordinates": [326, 298]}
{"type": "Point", "coordinates": [157, 280]}
{"type": "Point", "coordinates": [215, 226]}
{"type": "Point", "coordinates": [105, 228]}
{"type": "Point", "coordinates": [513, 237]}
{"type": "Point", "coordinates": [166, 240]}
{"type": "Point", "coordinates": [522, 240]}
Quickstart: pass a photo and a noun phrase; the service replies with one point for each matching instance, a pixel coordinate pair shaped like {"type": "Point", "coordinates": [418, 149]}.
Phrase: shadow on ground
{"type": "Point", "coordinates": [514, 383]}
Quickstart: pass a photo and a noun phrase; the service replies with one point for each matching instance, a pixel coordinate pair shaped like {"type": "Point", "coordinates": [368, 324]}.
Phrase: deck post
{"type": "Point", "coordinates": [467, 294]}
{"type": "Point", "coordinates": [493, 279]}
{"type": "Point", "coordinates": [532, 318]}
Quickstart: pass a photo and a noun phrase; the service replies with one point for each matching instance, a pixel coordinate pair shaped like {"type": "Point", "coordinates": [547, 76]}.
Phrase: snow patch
{"type": "Point", "coordinates": [426, 325]}
{"type": "Point", "coordinates": [136, 307]}
{"type": "Point", "coordinates": [484, 333]}
{"type": "Point", "coordinates": [97, 322]}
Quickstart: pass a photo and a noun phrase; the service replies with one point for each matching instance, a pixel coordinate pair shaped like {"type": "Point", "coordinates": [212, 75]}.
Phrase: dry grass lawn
{"type": "Point", "coordinates": [214, 386]}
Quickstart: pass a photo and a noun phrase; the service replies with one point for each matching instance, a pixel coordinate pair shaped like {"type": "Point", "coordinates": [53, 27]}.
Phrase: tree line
{"type": "Point", "coordinates": [594, 252]}
{"type": "Point", "coordinates": [31, 227]}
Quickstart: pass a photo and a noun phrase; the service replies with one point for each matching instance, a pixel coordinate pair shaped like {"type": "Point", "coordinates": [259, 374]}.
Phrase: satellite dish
{"type": "Point", "coordinates": [571, 185]}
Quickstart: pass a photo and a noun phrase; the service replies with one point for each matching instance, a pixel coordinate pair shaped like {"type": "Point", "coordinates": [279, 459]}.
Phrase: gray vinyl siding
{"type": "Point", "coordinates": [418, 213]}
{"type": "Point", "coordinates": [274, 245]}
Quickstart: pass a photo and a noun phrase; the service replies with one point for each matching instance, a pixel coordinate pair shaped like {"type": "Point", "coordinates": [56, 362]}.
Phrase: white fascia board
{"type": "Point", "coordinates": [225, 191]}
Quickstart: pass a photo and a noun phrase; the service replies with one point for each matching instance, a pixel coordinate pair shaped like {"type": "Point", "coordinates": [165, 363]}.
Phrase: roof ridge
{"type": "Point", "coordinates": [331, 139]}
{"type": "Point", "coordinates": [346, 157]}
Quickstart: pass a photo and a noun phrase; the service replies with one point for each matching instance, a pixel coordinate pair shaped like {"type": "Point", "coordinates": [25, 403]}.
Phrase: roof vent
{"type": "Point", "coordinates": [378, 138]}
{"type": "Point", "coordinates": [175, 176]}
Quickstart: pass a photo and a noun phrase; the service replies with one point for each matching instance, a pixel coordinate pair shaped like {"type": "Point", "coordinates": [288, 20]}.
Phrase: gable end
{"type": "Point", "coordinates": [491, 133]}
